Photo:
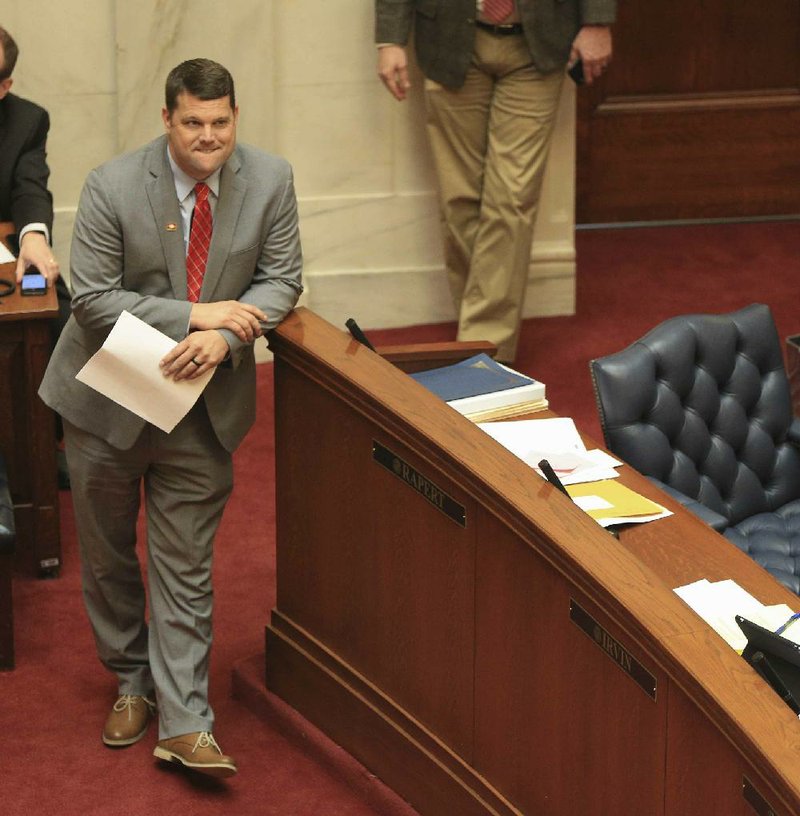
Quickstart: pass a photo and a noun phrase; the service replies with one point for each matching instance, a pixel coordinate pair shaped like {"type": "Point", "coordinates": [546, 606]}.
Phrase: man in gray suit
{"type": "Point", "coordinates": [142, 219]}
{"type": "Point", "coordinates": [493, 75]}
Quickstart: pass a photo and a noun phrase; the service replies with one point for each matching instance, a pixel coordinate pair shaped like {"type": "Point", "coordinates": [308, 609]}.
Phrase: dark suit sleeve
{"type": "Point", "coordinates": [393, 19]}
{"type": "Point", "coordinates": [598, 12]}
{"type": "Point", "coordinates": [31, 201]}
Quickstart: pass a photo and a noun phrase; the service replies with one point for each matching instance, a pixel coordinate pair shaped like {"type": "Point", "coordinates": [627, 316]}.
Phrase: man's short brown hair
{"type": "Point", "coordinates": [202, 78]}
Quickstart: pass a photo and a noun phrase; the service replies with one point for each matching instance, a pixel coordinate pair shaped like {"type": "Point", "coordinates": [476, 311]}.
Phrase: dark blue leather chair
{"type": "Point", "coordinates": [701, 405]}
{"type": "Point", "coordinates": [7, 540]}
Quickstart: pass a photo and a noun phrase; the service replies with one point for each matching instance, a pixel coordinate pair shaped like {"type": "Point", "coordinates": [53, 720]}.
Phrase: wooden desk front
{"type": "Point", "coordinates": [27, 425]}
{"type": "Point", "coordinates": [521, 662]}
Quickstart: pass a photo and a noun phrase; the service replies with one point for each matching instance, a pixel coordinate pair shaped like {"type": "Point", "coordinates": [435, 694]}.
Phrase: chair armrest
{"type": "Point", "coordinates": [710, 517]}
{"type": "Point", "coordinates": [422, 356]}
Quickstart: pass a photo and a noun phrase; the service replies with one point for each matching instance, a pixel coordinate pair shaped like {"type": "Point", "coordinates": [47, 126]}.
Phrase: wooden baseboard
{"type": "Point", "coordinates": [380, 735]}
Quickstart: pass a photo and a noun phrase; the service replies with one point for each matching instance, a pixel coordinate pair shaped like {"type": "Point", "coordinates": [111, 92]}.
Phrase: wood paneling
{"type": "Point", "coordinates": [698, 115]}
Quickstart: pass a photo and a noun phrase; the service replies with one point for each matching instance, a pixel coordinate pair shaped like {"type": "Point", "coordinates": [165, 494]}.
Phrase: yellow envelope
{"type": "Point", "coordinates": [621, 501]}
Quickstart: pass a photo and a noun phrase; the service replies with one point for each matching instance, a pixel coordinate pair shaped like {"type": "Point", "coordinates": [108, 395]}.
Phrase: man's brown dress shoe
{"type": "Point", "coordinates": [128, 720]}
{"type": "Point", "coordinates": [198, 751]}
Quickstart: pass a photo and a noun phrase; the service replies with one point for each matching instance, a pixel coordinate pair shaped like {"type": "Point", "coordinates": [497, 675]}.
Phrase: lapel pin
{"type": "Point", "coordinates": [171, 227]}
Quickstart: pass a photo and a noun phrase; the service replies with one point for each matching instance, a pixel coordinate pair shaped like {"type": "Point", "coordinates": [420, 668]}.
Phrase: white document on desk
{"type": "Point", "coordinates": [5, 255]}
{"type": "Point", "coordinates": [718, 603]}
{"type": "Point", "coordinates": [126, 370]}
{"type": "Point", "coordinates": [557, 440]}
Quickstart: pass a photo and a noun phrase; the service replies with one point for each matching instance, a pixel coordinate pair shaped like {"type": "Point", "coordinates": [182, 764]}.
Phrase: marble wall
{"type": "Point", "coordinates": [307, 89]}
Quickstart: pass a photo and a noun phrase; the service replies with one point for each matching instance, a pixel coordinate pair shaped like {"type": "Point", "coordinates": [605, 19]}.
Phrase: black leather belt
{"type": "Point", "coordinates": [500, 30]}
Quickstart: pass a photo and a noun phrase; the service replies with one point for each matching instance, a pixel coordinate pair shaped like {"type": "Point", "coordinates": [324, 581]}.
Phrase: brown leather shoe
{"type": "Point", "coordinates": [198, 751]}
{"type": "Point", "coordinates": [128, 720]}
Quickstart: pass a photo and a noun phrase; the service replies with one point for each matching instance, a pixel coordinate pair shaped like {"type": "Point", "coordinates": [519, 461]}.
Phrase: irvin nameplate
{"type": "Point", "coordinates": [422, 484]}
{"type": "Point", "coordinates": [613, 648]}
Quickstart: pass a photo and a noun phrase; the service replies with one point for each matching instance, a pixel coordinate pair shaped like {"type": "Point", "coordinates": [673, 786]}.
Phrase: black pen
{"type": "Point", "coordinates": [759, 660]}
{"type": "Point", "coordinates": [551, 477]}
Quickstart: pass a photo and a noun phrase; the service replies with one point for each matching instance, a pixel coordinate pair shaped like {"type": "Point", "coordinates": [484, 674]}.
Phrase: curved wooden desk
{"type": "Point", "coordinates": [478, 642]}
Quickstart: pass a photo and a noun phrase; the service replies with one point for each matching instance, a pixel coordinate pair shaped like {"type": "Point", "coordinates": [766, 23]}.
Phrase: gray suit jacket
{"type": "Point", "coordinates": [444, 31]}
{"type": "Point", "coordinates": [128, 254]}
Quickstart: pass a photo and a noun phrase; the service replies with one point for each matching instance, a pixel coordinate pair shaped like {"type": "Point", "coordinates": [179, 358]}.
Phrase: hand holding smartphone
{"type": "Point", "coordinates": [33, 282]}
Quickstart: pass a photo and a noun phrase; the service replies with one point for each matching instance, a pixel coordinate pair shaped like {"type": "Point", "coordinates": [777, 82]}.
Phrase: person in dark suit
{"type": "Point", "coordinates": [493, 76]}
{"type": "Point", "coordinates": [197, 236]}
{"type": "Point", "coordinates": [24, 197]}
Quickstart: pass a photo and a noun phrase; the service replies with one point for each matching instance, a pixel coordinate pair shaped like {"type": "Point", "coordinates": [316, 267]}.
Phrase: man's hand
{"type": "Point", "coordinates": [593, 46]}
{"type": "Point", "coordinates": [240, 318]}
{"type": "Point", "coordinates": [195, 355]}
{"type": "Point", "coordinates": [35, 251]}
{"type": "Point", "coordinates": [393, 70]}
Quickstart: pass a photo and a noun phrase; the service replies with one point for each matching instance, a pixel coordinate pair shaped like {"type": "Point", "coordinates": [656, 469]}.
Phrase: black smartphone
{"type": "Point", "coordinates": [575, 72]}
{"type": "Point", "coordinates": [33, 283]}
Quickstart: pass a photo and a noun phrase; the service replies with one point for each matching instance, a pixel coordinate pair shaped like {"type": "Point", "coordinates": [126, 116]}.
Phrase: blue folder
{"type": "Point", "coordinates": [476, 375]}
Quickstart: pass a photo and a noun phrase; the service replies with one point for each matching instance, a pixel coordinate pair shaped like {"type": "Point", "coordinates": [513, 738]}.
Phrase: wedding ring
{"type": "Point", "coordinates": [195, 362]}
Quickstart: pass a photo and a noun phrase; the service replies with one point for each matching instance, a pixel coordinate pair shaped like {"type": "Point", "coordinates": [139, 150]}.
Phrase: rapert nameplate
{"type": "Point", "coordinates": [613, 648]}
{"type": "Point", "coordinates": [422, 484]}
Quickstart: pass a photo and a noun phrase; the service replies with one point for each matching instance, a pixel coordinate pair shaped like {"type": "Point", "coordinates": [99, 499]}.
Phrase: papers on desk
{"type": "Point", "coordinates": [718, 602]}
{"type": "Point", "coordinates": [587, 474]}
{"type": "Point", "coordinates": [556, 440]}
{"type": "Point", "coordinates": [126, 370]}
{"type": "Point", "coordinates": [5, 255]}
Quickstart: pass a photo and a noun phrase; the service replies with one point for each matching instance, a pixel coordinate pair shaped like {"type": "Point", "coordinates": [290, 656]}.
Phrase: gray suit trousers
{"type": "Point", "coordinates": [186, 478]}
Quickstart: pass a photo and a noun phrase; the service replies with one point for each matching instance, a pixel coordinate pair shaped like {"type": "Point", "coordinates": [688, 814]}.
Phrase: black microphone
{"type": "Point", "coordinates": [551, 477]}
{"type": "Point", "coordinates": [359, 335]}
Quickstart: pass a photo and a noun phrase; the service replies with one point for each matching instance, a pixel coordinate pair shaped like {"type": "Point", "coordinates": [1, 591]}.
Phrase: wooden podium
{"type": "Point", "coordinates": [479, 643]}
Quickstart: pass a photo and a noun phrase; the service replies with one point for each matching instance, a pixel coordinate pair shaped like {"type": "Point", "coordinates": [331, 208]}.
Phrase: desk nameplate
{"type": "Point", "coordinates": [417, 481]}
{"type": "Point", "coordinates": [613, 648]}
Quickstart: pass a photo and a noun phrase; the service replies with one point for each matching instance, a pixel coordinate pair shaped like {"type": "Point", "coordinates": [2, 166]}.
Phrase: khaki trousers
{"type": "Point", "coordinates": [490, 140]}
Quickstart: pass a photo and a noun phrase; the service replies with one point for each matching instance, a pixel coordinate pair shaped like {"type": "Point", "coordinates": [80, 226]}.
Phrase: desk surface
{"type": "Point", "coordinates": [682, 549]}
{"type": "Point", "coordinates": [17, 306]}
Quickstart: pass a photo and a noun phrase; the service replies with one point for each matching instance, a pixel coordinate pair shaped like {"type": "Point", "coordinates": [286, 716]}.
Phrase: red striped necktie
{"type": "Point", "coordinates": [495, 11]}
{"type": "Point", "coordinates": [199, 241]}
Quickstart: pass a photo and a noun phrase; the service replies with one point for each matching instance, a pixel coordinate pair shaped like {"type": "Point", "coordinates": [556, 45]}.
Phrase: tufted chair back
{"type": "Point", "coordinates": [702, 405]}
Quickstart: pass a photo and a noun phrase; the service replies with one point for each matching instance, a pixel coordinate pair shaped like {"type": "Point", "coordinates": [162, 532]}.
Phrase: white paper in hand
{"type": "Point", "coordinates": [126, 370]}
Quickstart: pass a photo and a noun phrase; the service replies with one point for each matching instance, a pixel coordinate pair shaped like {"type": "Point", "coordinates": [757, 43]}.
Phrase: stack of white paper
{"type": "Point", "coordinates": [558, 441]}
{"type": "Point", "coordinates": [718, 603]}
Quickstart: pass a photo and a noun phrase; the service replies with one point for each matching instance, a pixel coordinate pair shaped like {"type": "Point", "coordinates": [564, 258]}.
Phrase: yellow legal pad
{"type": "Point", "coordinates": [618, 501]}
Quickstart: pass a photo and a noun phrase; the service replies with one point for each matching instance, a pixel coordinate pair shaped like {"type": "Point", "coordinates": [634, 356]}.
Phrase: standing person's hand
{"type": "Point", "coordinates": [593, 46]}
{"type": "Point", "coordinates": [393, 70]}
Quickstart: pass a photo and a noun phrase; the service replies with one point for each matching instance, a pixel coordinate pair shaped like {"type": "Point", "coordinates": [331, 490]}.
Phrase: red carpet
{"type": "Point", "coordinates": [52, 706]}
